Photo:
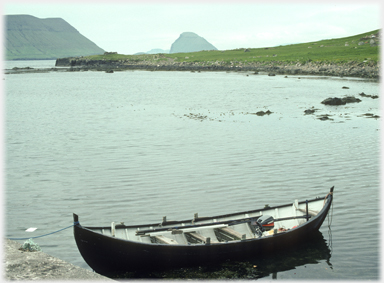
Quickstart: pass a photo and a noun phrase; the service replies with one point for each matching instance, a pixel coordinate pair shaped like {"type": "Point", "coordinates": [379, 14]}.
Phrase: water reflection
{"type": "Point", "coordinates": [310, 252]}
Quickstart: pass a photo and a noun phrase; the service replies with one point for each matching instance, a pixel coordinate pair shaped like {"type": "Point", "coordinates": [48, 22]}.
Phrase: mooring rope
{"type": "Point", "coordinates": [330, 215]}
{"type": "Point", "coordinates": [330, 193]}
{"type": "Point", "coordinates": [74, 223]}
{"type": "Point", "coordinates": [330, 218]}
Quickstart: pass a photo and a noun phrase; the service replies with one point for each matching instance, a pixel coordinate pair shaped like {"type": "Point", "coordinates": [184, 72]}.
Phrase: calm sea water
{"type": "Point", "coordinates": [135, 146]}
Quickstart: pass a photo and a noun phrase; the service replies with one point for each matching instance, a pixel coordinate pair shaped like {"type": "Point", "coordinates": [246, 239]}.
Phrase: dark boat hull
{"type": "Point", "coordinates": [112, 256]}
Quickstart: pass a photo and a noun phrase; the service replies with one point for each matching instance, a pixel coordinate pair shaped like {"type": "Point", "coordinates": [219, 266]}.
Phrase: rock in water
{"type": "Point", "coordinates": [333, 101]}
{"type": "Point", "coordinates": [190, 42]}
{"type": "Point", "coordinates": [340, 101]}
{"type": "Point", "coordinates": [350, 99]}
{"type": "Point", "coordinates": [262, 113]}
{"type": "Point", "coordinates": [309, 111]}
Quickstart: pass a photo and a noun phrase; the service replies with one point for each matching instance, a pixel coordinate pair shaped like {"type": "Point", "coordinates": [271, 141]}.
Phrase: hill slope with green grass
{"type": "Point", "coordinates": [360, 48]}
{"type": "Point", "coordinates": [340, 50]}
{"type": "Point", "coordinates": [28, 38]}
{"type": "Point", "coordinates": [356, 56]}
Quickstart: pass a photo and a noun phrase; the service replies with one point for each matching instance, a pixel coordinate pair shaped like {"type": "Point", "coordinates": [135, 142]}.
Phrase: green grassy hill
{"type": "Point", "coordinates": [339, 50]}
{"type": "Point", "coordinates": [333, 50]}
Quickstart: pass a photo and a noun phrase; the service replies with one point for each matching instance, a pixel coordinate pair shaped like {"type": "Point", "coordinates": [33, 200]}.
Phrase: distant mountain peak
{"type": "Point", "coordinates": [189, 34]}
{"type": "Point", "coordinates": [190, 42]}
{"type": "Point", "coordinates": [28, 37]}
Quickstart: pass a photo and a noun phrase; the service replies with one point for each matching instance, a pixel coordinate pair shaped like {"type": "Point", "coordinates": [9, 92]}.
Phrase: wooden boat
{"type": "Point", "coordinates": [118, 248]}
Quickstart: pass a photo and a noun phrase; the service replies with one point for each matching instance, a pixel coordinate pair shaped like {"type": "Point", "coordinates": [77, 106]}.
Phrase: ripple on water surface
{"type": "Point", "coordinates": [137, 146]}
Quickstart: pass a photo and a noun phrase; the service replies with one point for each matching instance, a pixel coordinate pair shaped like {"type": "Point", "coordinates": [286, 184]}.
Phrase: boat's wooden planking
{"type": "Point", "coordinates": [216, 232]}
{"type": "Point", "coordinates": [199, 240]}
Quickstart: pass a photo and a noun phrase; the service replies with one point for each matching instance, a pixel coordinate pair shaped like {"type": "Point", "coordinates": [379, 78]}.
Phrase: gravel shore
{"type": "Point", "coordinates": [24, 265]}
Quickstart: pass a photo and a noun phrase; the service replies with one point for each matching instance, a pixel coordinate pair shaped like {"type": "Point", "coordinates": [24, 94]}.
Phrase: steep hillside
{"type": "Point", "coordinates": [28, 37]}
{"type": "Point", "coordinates": [190, 42]}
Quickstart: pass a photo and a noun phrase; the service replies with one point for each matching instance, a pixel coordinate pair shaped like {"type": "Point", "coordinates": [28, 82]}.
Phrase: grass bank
{"type": "Point", "coordinates": [354, 56]}
{"type": "Point", "coordinates": [361, 48]}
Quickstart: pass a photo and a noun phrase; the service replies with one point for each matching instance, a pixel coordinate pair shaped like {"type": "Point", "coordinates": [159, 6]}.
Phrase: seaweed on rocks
{"type": "Point", "coordinates": [333, 101]}
{"type": "Point", "coordinates": [340, 101]}
{"type": "Point", "coordinates": [324, 117]}
{"type": "Point", "coordinates": [262, 113]}
{"type": "Point", "coordinates": [367, 95]}
{"type": "Point", "coordinates": [370, 115]}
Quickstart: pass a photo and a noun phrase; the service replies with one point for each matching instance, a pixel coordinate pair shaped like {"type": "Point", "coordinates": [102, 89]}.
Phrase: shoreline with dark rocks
{"type": "Point", "coordinates": [351, 69]}
{"type": "Point", "coordinates": [77, 64]}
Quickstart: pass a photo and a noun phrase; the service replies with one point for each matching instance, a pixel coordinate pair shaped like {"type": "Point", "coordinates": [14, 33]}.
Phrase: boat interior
{"type": "Point", "coordinates": [215, 230]}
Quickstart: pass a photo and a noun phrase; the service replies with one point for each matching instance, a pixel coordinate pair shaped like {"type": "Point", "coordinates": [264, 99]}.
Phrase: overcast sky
{"type": "Point", "coordinates": [130, 27]}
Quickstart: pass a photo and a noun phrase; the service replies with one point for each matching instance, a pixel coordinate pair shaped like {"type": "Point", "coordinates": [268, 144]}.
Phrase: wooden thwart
{"type": "Point", "coordinates": [310, 212]}
{"type": "Point", "coordinates": [232, 232]}
{"type": "Point", "coordinates": [202, 238]}
{"type": "Point", "coordinates": [165, 240]}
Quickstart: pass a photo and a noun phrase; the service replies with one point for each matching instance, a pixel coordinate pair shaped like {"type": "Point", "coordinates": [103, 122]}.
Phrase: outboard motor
{"type": "Point", "coordinates": [263, 223]}
{"type": "Point", "coordinates": [267, 222]}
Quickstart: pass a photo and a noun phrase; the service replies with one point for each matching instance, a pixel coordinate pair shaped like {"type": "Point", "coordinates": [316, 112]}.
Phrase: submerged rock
{"type": "Point", "coordinates": [367, 95]}
{"type": "Point", "coordinates": [309, 111]}
{"type": "Point", "coordinates": [196, 116]}
{"type": "Point", "coordinates": [262, 113]}
{"type": "Point", "coordinates": [370, 115]}
{"type": "Point", "coordinates": [324, 117]}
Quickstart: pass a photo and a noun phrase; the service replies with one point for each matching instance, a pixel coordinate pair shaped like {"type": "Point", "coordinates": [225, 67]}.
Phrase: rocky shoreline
{"type": "Point", "coordinates": [351, 69]}
{"type": "Point", "coordinates": [26, 265]}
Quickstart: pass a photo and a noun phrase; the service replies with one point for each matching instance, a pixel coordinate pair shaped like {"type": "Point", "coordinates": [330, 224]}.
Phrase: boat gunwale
{"type": "Point", "coordinates": [111, 256]}
{"type": "Point", "coordinates": [311, 219]}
